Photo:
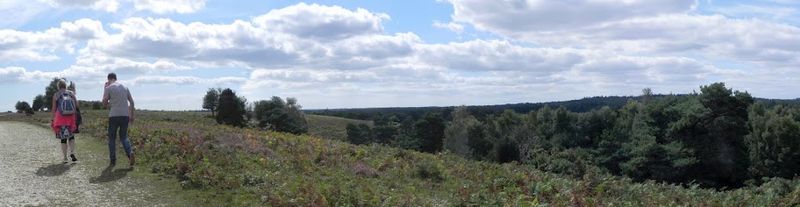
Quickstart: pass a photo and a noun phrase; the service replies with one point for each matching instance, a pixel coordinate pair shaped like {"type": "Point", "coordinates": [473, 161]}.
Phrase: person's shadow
{"type": "Point", "coordinates": [54, 169]}
{"type": "Point", "coordinates": [109, 174]}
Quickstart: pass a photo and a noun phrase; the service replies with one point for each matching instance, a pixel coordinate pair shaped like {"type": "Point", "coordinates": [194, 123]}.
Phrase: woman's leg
{"type": "Point", "coordinates": [72, 149]}
{"type": "Point", "coordinates": [64, 149]}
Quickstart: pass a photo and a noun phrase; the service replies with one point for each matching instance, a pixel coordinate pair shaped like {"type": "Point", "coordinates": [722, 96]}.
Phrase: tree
{"type": "Point", "coordinates": [23, 107]}
{"type": "Point", "coordinates": [211, 100]}
{"type": "Point", "coordinates": [269, 113]}
{"type": "Point", "coordinates": [359, 134]}
{"type": "Point", "coordinates": [646, 158]}
{"type": "Point", "coordinates": [506, 151]}
{"type": "Point", "coordinates": [71, 87]}
{"type": "Point", "coordinates": [478, 143]}
{"type": "Point", "coordinates": [456, 134]}
{"type": "Point", "coordinates": [281, 116]}
{"type": "Point", "coordinates": [430, 132]}
{"type": "Point", "coordinates": [406, 135]}
{"type": "Point", "coordinates": [297, 123]}
{"type": "Point", "coordinates": [386, 128]}
{"type": "Point", "coordinates": [713, 124]}
{"type": "Point", "coordinates": [49, 91]}
{"type": "Point", "coordinates": [231, 111]}
{"type": "Point", "coordinates": [564, 132]}
{"type": "Point", "coordinates": [774, 142]}
{"type": "Point", "coordinates": [38, 103]}
{"type": "Point", "coordinates": [647, 94]}
{"type": "Point", "coordinates": [241, 104]}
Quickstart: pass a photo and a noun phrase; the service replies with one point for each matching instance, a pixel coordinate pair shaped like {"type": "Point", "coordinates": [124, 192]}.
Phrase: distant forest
{"type": "Point", "coordinates": [580, 105]}
{"type": "Point", "coordinates": [717, 138]}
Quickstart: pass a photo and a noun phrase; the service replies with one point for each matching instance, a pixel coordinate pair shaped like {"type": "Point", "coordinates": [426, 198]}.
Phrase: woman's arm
{"type": "Point", "coordinates": [77, 103]}
{"type": "Point", "coordinates": [53, 105]}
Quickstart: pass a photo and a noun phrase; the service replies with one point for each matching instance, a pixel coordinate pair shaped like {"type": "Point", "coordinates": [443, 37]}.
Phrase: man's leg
{"type": "Point", "coordinates": [112, 139]}
{"type": "Point", "coordinates": [123, 136]}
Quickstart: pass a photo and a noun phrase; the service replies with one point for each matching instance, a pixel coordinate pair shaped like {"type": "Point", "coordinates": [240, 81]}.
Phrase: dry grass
{"type": "Point", "coordinates": [331, 127]}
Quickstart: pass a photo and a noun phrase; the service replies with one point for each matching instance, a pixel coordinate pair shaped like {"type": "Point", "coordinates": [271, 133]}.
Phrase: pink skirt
{"type": "Point", "coordinates": [69, 121]}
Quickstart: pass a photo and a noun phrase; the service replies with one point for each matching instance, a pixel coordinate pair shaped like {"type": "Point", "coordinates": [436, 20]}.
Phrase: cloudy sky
{"type": "Point", "coordinates": [335, 54]}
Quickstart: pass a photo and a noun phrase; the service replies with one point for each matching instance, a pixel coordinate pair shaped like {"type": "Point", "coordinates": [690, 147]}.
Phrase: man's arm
{"type": "Point", "coordinates": [105, 97]}
{"type": "Point", "coordinates": [132, 108]}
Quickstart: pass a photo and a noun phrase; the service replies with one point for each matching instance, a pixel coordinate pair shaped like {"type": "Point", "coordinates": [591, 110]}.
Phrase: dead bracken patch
{"type": "Point", "coordinates": [362, 169]}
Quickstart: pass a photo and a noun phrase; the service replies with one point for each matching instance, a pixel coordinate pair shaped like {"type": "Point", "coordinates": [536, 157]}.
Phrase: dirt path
{"type": "Point", "coordinates": [31, 174]}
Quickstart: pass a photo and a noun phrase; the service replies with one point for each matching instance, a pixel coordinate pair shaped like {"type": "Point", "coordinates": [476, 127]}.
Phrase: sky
{"type": "Point", "coordinates": [355, 54]}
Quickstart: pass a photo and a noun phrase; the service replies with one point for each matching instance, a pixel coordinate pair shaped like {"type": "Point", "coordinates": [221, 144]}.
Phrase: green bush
{"type": "Point", "coordinates": [429, 170]}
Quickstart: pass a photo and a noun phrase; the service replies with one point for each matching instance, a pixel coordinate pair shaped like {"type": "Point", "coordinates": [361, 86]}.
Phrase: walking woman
{"type": "Point", "coordinates": [64, 124]}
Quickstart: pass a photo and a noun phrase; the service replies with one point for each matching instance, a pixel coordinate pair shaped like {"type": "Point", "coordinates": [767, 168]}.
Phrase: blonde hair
{"type": "Point", "coordinates": [62, 84]}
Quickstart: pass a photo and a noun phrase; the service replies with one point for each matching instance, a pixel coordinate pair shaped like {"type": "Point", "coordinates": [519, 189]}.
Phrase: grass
{"type": "Point", "coordinates": [331, 127]}
{"type": "Point", "coordinates": [247, 167]}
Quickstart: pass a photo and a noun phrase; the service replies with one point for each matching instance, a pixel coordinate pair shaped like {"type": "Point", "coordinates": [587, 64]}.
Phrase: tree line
{"type": "Point", "coordinates": [275, 114]}
{"type": "Point", "coordinates": [42, 102]}
{"type": "Point", "coordinates": [716, 138]}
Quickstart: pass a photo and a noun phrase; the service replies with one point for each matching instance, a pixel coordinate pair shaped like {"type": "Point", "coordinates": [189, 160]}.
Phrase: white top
{"type": "Point", "coordinates": [117, 95]}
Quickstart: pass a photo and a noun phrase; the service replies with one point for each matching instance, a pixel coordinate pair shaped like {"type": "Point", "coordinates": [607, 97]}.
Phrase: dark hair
{"type": "Point", "coordinates": [112, 76]}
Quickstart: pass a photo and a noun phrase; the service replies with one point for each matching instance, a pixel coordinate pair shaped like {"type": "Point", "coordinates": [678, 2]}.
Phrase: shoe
{"type": "Point", "coordinates": [113, 162]}
{"type": "Point", "coordinates": [132, 159]}
{"type": "Point", "coordinates": [73, 158]}
{"type": "Point", "coordinates": [65, 160]}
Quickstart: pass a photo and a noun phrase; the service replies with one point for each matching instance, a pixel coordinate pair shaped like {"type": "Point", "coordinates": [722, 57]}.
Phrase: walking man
{"type": "Point", "coordinates": [116, 97]}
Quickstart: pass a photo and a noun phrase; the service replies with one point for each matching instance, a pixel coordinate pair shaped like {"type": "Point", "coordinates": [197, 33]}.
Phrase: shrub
{"type": "Point", "coordinates": [281, 116]}
{"type": "Point", "coordinates": [38, 103]}
{"type": "Point", "coordinates": [359, 134]}
{"type": "Point", "coordinates": [23, 107]}
{"type": "Point", "coordinates": [429, 170]}
{"type": "Point", "coordinates": [231, 110]}
{"type": "Point", "coordinates": [211, 99]}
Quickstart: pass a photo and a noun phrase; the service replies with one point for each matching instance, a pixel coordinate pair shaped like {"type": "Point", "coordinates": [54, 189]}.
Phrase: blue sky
{"type": "Point", "coordinates": [344, 54]}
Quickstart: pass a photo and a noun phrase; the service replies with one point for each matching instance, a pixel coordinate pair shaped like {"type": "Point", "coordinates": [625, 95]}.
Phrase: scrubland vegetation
{"type": "Point", "coordinates": [245, 166]}
{"type": "Point", "coordinates": [714, 148]}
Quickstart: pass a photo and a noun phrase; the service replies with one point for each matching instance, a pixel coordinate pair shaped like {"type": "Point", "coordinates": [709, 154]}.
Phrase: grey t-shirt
{"type": "Point", "coordinates": [117, 95]}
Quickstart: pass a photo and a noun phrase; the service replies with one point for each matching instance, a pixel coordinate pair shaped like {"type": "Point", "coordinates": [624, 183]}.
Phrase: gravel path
{"type": "Point", "coordinates": [31, 174]}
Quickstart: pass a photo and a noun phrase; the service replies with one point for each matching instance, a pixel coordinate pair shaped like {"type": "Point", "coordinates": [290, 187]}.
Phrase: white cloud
{"type": "Point", "coordinates": [93, 66]}
{"type": "Point", "coordinates": [11, 74]}
{"type": "Point", "coordinates": [495, 55]}
{"type": "Point", "coordinates": [329, 56]}
{"type": "Point", "coordinates": [452, 26]}
{"type": "Point", "coordinates": [155, 6]}
{"type": "Point", "coordinates": [239, 42]}
{"type": "Point", "coordinates": [15, 74]}
{"type": "Point", "coordinates": [749, 40]}
{"type": "Point", "coordinates": [332, 37]}
{"type": "Point", "coordinates": [758, 11]}
{"type": "Point", "coordinates": [42, 46]}
{"type": "Point", "coordinates": [514, 16]}
{"type": "Point", "coordinates": [169, 6]}
{"type": "Point", "coordinates": [14, 13]}
{"type": "Point", "coordinates": [652, 28]}
{"type": "Point", "coordinates": [185, 80]}
{"type": "Point", "coordinates": [101, 5]}
{"type": "Point", "coordinates": [322, 22]}
{"type": "Point", "coordinates": [643, 71]}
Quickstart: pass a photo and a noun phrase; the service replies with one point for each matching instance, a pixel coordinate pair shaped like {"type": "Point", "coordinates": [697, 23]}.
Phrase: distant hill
{"type": "Point", "coordinates": [330, 127]}
{"type": "Point", "coordinates": [580, 105]}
